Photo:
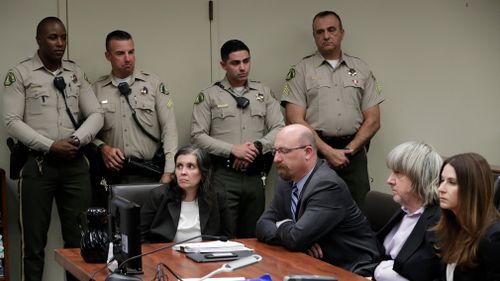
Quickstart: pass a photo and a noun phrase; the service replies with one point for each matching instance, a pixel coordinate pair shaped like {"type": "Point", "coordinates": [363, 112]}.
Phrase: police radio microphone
{"type": "Point", "coordinates": [60, 84]}
{"type": "Point", "coordinates": [117, 275]}
{"type": "Point", "coordinates": [124, 88]}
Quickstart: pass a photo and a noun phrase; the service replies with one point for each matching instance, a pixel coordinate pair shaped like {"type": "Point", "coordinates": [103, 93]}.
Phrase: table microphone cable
{"type": "Point", "coordinates": [101, 269]}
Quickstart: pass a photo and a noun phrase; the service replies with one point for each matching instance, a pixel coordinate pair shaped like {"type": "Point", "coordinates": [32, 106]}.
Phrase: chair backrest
{"type": "Point", "coordinates": [496, 193]}
{"type": "Point", "coordinates": [137, 193]}
{"type": "Point", "coordinates": [379, 208]}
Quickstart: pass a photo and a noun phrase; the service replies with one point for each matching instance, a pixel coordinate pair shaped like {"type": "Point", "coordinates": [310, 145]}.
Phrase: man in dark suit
{"type": "Point", "coordinates": [312, 209]}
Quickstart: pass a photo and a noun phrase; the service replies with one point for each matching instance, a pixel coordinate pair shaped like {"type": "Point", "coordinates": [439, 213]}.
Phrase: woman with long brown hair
{"type": "Point", "coordinates": [469, 228]}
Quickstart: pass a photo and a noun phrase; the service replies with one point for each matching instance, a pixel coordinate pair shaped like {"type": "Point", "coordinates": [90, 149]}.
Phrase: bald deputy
{"type": "Point", "coordinates": [335, 95]}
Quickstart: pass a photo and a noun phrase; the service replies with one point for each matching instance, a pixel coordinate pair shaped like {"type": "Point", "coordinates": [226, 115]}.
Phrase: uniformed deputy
{"type": "Point", "coordinates": [35, 114]}
{"type": "Point", "coordinates": [121, 136]}
{"type": "Point", "coordinates": [236, 121]}
{"type": "Point", "coordinates": [337, 96]}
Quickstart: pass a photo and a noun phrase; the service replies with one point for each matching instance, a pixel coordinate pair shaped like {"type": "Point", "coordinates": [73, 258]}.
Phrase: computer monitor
{"type": "Point", "coordinates": [125, 221]}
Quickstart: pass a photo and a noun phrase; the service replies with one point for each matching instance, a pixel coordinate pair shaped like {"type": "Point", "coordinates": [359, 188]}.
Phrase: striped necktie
{"type": "Point", "coordinates": [295, 200]}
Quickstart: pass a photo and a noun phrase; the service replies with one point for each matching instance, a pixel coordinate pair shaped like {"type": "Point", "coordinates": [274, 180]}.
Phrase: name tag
{"type": "Point", "coordinates": [104, 101]}
{"type": "Point", "coordinates": [222, 105]}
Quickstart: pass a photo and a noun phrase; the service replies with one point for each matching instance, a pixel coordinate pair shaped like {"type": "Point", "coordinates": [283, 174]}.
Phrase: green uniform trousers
{"type": "Point", "coordinates": [355, 176]}
{"type": "Point", "coordinates": [66, 181]}
{"type": "Point", "coordinates": [245, 200]}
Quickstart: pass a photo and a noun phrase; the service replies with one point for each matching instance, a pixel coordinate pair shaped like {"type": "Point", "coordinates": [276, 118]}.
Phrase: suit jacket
{"type": "Point", "coordinates": [327, 215]}
{"type": "Point", "coordinates": [417, 259]}
{"type": "Point", "coordinates": [488, 259]}
{"type": "Point", "coordinates": [161, 212]}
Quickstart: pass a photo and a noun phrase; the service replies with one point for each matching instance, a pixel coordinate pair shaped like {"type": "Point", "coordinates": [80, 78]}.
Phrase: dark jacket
{"type": "Point", "coordinates": [327, 215]}
{"type": "Point", "coordinates": [160, 215]}
{"type": "Point", "coordinates": [488, 259]}
{"type": "Point", "coordinates": [416, 260]}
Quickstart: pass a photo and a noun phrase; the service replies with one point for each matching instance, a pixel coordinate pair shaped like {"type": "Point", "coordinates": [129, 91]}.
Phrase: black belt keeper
{"type": "Point", "coordinates": [336, 142]}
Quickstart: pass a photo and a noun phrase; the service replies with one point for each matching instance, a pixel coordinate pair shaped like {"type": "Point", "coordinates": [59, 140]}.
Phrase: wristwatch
{"type": "Point", "coordinates": [75, 140]}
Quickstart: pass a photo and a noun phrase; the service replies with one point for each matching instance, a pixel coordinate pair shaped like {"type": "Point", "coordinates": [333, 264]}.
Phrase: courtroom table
{"type": "Point", "coordinates": [276, 260]}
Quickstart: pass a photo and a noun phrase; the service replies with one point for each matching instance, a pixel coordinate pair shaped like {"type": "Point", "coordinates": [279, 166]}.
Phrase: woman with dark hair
{"type": "Point", "coordinates": [469, 228]}
{"type": "Point", "coordinates": [406, 239]}
{"type": "Point", "coordinates": [188, 206]}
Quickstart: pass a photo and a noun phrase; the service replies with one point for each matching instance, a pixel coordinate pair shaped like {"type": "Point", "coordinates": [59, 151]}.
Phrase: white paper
{"type": "Point", "coordinates": [211, 247]}
{"type": "Point", "coordinates": [216, 279]}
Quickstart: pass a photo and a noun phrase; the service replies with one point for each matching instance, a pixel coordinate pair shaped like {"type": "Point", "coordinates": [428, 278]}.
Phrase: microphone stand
{"type": "Point", "coordinates": [117, 275]}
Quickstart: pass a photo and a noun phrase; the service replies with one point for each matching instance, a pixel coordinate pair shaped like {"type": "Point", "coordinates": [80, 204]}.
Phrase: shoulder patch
{"type": "Point", "coordinates": [200, 98]}
{"type": "Point", "coordinates": [291, 74]}
{"type": "Point", "coordinates": [10, 78]}
{"type": "Point", "coordinates": [163, 89]}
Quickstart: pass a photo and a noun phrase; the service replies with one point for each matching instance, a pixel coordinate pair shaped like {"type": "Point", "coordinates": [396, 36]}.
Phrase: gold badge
{"type": "Point", "coordinates": [200, 98]}
{"type": "Point", "coordinates": [10, 78]}
{"type": "Point", "coordinates": [259, 97]}
{"type": "Point", "coordinates": [74, 79]}
{"type": "Point", "coordinates": [144, 90]}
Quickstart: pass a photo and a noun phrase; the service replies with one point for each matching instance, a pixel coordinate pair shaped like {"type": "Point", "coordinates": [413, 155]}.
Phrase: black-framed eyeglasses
{"type": "Point", "coordinates": [286, 150]}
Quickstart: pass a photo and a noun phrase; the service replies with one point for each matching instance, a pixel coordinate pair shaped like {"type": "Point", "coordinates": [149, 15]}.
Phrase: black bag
{"type": "Point", "coordinates": [18, 157]}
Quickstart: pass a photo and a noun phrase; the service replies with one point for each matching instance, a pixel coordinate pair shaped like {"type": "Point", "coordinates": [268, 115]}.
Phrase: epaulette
{"type": "Point", "coordinates": [306, 57]}
{"type": "Point", "coordinates": [70, 61]}
{"type": "Point", "coordinates": [102, 78]}
{"type": "Point", "coordinates": [145, 73]}
{"type": "Point", "coordinates": [26, 59]}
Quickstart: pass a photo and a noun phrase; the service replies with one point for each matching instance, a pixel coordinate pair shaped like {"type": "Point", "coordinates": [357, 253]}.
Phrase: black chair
{"type": "Point", "coordinates": [137, 193]}
{"type": "Point", "coordinates": [379, 208]}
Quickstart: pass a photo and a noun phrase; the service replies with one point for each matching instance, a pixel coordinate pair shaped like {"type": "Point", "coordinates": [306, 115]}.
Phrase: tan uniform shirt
{"type": "Point", "coordinates": [154, 108]}
{"type": "Point", "coordinates": [334, 99]}
{"type": "Point", "coordinates": [218, 124]}
{"type": "Point", "coordinates": [34, 110]}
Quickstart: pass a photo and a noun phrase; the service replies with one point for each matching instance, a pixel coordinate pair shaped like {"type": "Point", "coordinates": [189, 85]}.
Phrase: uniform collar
{"type": "Point", "coordinates": [38, 64]}
{"type": "Point", "coordinates": [319, 60]}
{"type": "Point", "coordinates": [137, 75]}
{"type": "Point", "coordinates": [248, 86]}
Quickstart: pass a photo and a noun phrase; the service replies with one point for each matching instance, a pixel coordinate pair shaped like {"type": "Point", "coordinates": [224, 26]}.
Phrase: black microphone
{"type": "Point", "coordinates": [124, 88]}
{"type": "Point", "coordinates": [60, 84]}
{"type": "Point", "coordinates": [118, 276]}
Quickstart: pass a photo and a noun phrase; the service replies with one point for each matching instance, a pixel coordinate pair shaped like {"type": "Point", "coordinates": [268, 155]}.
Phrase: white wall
{"type": "Point", "coordinates": [437, 62]}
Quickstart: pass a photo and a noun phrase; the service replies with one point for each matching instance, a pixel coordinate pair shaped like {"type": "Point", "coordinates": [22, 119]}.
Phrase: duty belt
{"type": "Point", "coordinates": [262, 164]}
{"type": "Point", "coordinates": [338, 142]}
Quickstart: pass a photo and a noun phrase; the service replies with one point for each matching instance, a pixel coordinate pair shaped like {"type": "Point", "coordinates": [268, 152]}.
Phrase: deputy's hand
{"type": "Point", "coordinates": [315, 251]}
{"type": "Point", "coordinates": [245, 151]}
{"type": "Point", "coordinates": [338, 158]}
{"type": "Point", "coordinates": [240, 164]}
{"type": "Point", "coordinates": [64, 149]}
{"type": "Point", "coordinates": [112, 157]}
{"type": "Point", "coordinates": [166, 178]}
